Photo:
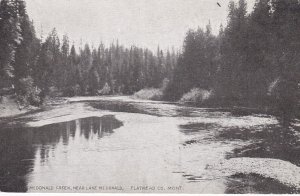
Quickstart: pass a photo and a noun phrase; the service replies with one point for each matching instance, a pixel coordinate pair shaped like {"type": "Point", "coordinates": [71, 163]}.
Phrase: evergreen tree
{"type": "Point", "coordinates": [85, 66]}
{"type": "Point", "coordinates": [27, 51]}
{"type": "Point", "coordinates": [46, 70]}
{"type": "Point", "coordinates": [286, 26]}
{"type": "Point", "coordinates": [10, 37]}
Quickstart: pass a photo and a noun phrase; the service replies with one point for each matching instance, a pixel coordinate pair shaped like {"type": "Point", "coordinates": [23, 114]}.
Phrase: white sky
{"type": "Point", "coordinates": [145, 23]}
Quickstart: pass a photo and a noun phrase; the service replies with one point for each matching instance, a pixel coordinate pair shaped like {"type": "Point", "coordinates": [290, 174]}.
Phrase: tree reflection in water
{"type": "Point", "coordinates": [20, 147]}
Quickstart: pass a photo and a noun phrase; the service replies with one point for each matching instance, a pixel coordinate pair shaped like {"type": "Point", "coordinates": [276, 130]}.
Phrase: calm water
{"type": "Point", "coordinates": [123, 145]}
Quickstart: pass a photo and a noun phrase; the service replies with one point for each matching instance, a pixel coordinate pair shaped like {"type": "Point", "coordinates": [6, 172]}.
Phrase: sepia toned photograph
{"type": "Point", "coordinates": [150, 96]}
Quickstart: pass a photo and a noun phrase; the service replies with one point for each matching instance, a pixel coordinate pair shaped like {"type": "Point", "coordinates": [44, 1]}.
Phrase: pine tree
{"type": "Point", "coordinates": [286, 28]}
{"type": "Point", "coordinates": [48, 64]}
{"type": "Point", "coordinates": [85, 66]}
{"type": "Point", "coordinates": [10, 37]}
{"type": "Point", "coordinates": [64, 60]}
{"type": "Point", "coordinates": [233, 52]}
{"type": "Point", "coordinates": [26, 52]}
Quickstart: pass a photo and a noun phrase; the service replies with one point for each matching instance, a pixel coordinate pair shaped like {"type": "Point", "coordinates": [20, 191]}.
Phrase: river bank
{"type": "Point", "coordinates": [9, 107]}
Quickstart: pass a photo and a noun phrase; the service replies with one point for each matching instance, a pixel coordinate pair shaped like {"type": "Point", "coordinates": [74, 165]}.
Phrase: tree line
{"type": "Point", "coordinates": [254, 60]}
{"type": "Point", "coordinates": [36, 68]}
{"type": "Point", "coordinates": [99, 70]}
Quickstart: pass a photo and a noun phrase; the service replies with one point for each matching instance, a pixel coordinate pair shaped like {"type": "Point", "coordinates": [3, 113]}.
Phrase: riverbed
{"type": "Point", "coordinates": [121, 144]}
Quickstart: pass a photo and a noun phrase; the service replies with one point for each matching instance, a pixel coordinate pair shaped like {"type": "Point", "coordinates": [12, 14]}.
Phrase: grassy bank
{"type": "Point", "coordinates": [9, 107]}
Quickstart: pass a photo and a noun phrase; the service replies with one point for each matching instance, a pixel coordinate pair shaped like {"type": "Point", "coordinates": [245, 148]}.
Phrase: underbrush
{"type": "Point", "coordinates": [196, 95]}
{"type": "Point", "coordinates": [149, 94]}
{"type": "Point", "coordinates": [27, 93]}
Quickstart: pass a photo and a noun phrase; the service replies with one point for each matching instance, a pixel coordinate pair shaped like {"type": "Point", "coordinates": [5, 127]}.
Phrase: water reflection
{"type": "Point", "coordinates": [103, 126]}
{"type": "Point", "coordinates": [21, 147]}
{"type": "Point", "coordinates": [157, 109]}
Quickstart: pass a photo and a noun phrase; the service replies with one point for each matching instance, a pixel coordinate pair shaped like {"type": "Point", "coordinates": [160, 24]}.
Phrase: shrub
{"type": "Point", "coordinates": [150, 94]}
{"type": "Point", "coordinates": [27, 93]}
{"type": "Point", "coordinates": [197, 95]}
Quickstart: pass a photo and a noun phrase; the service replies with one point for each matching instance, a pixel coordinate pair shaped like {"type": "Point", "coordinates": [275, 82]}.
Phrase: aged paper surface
{"type": "Point", "coordinates": [150, 96]}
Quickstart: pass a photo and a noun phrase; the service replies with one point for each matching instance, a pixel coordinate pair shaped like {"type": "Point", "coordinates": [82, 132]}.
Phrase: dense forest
{"type": "Point", "coordinates": [253, 61]}
{"type": "Point", "coordinates": [34, 68]}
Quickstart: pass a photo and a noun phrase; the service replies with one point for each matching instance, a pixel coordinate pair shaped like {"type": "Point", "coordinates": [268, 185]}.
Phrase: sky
{"type": "Point", "coordinates": [144, 23]}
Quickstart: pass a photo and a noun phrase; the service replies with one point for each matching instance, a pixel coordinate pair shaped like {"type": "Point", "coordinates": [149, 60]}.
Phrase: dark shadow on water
{"type": "Point", "coordinates": [119, 107]}
{"type": "Point", "coordinates": [253, 183]}
{"type": "Point", "coordinates": [268, 142]}
{"type": "Point", "coordinates": [193, 128]}
{"type": "Point", "coordinates": [199, 128]}
{"type": "Point", "coordinates": [247, 184]}
{"type": "Point", "coordinates": [20, 146]}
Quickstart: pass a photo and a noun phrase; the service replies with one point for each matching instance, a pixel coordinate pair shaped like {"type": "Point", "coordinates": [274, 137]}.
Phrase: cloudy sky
{"type": "Point", "coordinates": [145, 23]}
